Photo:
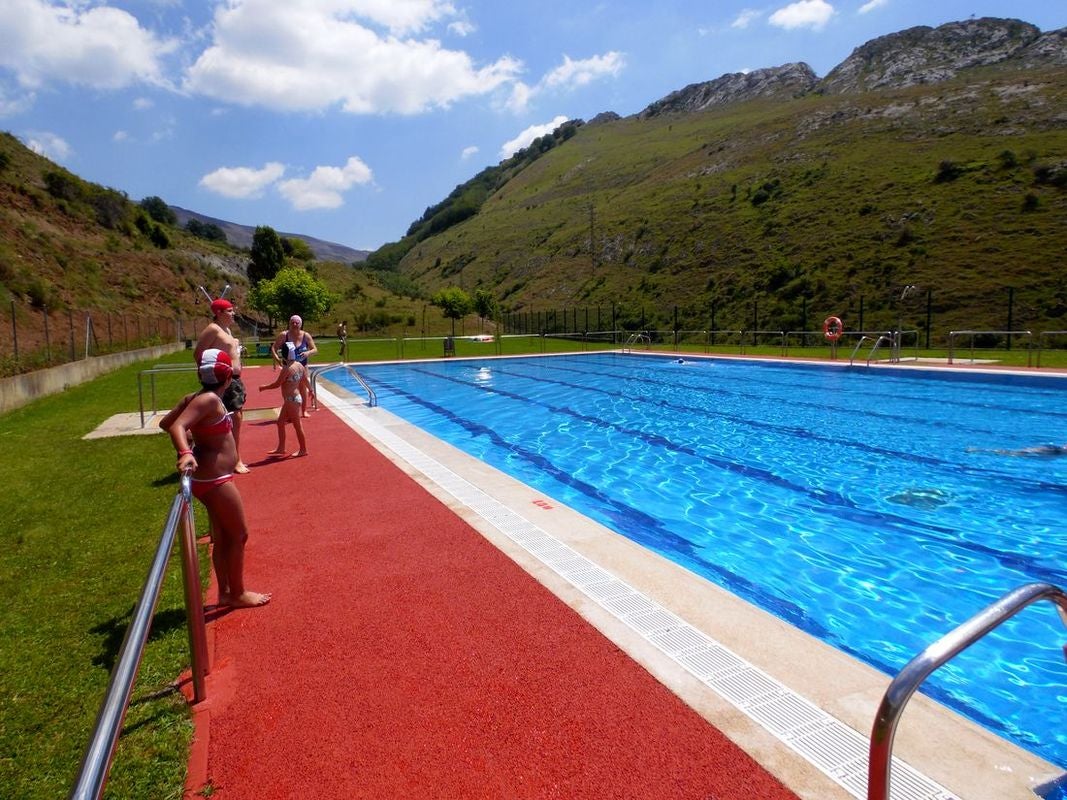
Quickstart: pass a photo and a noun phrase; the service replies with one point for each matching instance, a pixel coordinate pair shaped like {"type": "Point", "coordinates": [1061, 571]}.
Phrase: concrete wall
{"type": "Point", "coordinates": [22, 389]}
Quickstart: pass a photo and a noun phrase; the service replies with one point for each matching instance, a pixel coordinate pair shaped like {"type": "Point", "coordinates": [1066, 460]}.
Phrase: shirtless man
{"type": "Point", "coordinates": [217, 336]}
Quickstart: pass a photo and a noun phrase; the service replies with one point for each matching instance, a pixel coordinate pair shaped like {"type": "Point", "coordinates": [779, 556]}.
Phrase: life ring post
{"type": "Point", "coordinates": [832, 328]}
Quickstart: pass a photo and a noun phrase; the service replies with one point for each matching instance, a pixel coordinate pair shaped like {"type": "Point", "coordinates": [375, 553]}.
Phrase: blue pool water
{"type": "Point", "coordinates": [849, 502]}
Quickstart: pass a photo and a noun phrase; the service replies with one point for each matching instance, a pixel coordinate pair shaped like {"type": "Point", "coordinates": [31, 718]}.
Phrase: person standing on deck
{"type": "Point", "coordinates": [217, 336]}
{"type": "Point", "coordinates": [299, 346]}
{"type": "Point", "coordinates": [342, 338]}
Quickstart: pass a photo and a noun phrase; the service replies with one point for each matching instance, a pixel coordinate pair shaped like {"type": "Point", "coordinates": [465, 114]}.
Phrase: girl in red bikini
{"type": "Point", "coordinates": [201, 417]}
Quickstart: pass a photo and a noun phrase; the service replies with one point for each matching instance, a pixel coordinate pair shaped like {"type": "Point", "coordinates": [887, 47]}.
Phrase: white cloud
{"type": "Point", "coordinates": [325, 186]}
{"type": "Point", "coordinates": [120, 136]}
{"type": "Point", "coordinates": [812, 14]}
{"type": "Point", "coordinates": [242, 182]}
{"type": "Point", "coordinates": [143, 104]}
{"type": "Point", "coordinates": [100, 46]}
{"type": "Point", "coordinates": [745, 18]}
{"type": "Point", "coordinates": [12, 105]}
{"type": "Point", "coordinates": [519, 97]}
{"type": "Point", "coordinates": [48, 145]}
{"type": "Point", "coordinates": [461, 28]}
{"type": "Point", "coordinates": [568, 75]}
{"type": "Point", "coordinates": [468, 152]}
{"type": "Point", "coordinates": [579, 73]}
{"type": "Point", "coordinates": [399, 16]}
{"type": "Point", "coordinates": [316, 54]}
{"type": "Point", "coordinates": [523, 139]}
{"type": "Point", "coordinates": [871, 5]}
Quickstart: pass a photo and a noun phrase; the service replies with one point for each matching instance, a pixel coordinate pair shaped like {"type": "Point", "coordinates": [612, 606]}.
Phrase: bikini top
{"type": "Point", "coordinates": [220, 427]}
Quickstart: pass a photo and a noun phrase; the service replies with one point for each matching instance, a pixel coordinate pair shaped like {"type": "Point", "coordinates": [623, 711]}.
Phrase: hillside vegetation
{"type": "Point", "coordinates": [933, 157]}
{"type": "Point", "coordinates": [798, 209]}
{"type": "Point", "coordinates": [69, 243]}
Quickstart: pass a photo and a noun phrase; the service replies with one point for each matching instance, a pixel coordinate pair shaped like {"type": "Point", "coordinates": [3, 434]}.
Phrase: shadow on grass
{"type": "Point", "coordinates": [170, 479]}
{"type": "Point", "coordinates": [114, 630]}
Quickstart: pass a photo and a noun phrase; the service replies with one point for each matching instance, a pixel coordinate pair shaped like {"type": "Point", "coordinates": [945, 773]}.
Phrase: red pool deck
{"type": "Point", "coordinates": [404, 655]}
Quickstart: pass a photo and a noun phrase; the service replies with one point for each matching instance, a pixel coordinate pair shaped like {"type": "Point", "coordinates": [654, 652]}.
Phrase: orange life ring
{"type": "Point", "coordinates": [832, 328]}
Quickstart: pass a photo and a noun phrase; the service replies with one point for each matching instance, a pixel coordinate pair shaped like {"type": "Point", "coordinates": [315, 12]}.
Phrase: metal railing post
{"type": "Point", "coordinates": [93, 772]}
{"type": "Point", "coordinates": [194, 604]}
{"type": "Point", "coordinates": [917, 670]}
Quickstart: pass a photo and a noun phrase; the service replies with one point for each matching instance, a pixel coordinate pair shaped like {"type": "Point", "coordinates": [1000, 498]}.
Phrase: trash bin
{"type": "Point", "coordinates": [450, 346]}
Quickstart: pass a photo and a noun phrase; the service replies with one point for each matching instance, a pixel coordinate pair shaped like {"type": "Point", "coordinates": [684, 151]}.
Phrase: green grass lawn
{"type": "Point", "coordinates": [81, 522]}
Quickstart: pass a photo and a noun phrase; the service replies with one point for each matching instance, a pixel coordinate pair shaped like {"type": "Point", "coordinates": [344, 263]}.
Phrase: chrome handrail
{"type": "Point", "coordinates": [372, 397]}
{"type": "Point", "coordinates": [96, 764]}
{"type": "Point", "coordinates": [1028, 334]}
{"type": "Point", "coordinates": [153, 372]}
{"type": "Point", "coordinates": [885, 338]}
{"type": "Point", "coordinates": [1041, 342]}
{"type": "Point", "coordinates": [917, 670]}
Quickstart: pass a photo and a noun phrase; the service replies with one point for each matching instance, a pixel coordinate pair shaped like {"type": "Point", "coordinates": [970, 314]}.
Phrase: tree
{"type": "Point", "coordinates": [297, 248]}
{"type": "Point", "coordinates": [268, 255]}
{"type": "Point", "coordinates": [158, 210]}
{"type": "Point", "coordinates": [454, 304]}
{"type": "Point", "coordinates": [484, 305]}
{"type": "Point", "coordinates": [292, 291]}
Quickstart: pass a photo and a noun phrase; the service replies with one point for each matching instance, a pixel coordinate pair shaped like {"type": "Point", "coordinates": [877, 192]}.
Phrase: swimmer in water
{"type": "Point", "coordinates": [1040, 450]}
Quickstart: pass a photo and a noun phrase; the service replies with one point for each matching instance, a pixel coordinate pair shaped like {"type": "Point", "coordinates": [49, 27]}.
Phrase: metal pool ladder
{"type": "Point", "coordinates": [641, 337]}
{"type": "Point", "coordinates": [917, 670]}
{"type": "Point", "coordinates": [372, 397]}
{"type": "Point", "coordinates": [885, 337]}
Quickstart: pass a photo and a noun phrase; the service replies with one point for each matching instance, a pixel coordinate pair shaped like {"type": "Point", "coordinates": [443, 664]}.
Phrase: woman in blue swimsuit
{"type": "Point", "coordinates": [201, 417]}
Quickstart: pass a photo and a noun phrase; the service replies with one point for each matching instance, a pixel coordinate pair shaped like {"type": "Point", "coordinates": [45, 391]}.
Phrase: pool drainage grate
{"type": "Point", "coordinates": [823, 740]}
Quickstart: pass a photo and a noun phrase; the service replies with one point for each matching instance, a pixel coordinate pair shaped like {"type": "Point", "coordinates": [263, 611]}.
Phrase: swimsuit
{"type": "Point", "coordinates": [220, 427]}
{"type": "Point", "coordinates": [204, 486]}
{"type": "Point", "coordinates": [297, 351]}
{"type": "Point", "coordinates": [295, 376]}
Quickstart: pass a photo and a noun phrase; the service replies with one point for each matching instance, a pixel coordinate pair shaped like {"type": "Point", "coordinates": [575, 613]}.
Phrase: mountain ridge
{"type": "Point", "coordinates": [241, 236]}
{"type": "Point", "coordinates": [916, 55]}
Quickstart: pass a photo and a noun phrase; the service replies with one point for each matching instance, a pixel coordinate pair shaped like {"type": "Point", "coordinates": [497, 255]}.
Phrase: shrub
{"type": "Point", "coordinates": [947, 171]}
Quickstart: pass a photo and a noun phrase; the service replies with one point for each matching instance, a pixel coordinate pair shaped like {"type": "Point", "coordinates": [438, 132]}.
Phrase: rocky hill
{"type": "Point", "coordinates": [785, 82]}
{"type": "Point", "coordinates": [911, 57]}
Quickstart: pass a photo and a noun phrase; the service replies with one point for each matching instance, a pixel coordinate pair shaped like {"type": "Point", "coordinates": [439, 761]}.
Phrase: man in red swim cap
{"type": "Point", "coordinates": [217, 336]}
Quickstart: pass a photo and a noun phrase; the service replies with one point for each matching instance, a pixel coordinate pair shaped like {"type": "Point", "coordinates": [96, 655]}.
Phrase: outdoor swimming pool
{"type": "Point", "coordinates": [845, 501]}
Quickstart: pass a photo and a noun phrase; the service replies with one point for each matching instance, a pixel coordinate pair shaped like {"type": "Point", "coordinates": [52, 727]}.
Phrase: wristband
{"type": "Point", "coordinates": [184, 453]}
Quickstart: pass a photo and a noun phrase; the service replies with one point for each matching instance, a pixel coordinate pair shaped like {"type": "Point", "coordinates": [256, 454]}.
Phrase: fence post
{"type": "Point", "coordinates": [929, 314]}
{"type": "Point", "coordinates": [1011, 313]}
{"type": "Point", "coordinates": [15, 334]}
{"type": "Point", "coordinates": [47, 335]}
{"type": "Point", "coordinates": [70, 323]}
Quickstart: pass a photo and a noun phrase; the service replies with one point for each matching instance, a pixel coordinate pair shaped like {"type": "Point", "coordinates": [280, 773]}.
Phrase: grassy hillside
{"type": "Point", "coordinates": [791, 211]}
{"type": "Point", "coordinates": [65, 242]}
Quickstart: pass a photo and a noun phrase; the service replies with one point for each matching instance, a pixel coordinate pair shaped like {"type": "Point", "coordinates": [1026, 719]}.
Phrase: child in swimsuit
{"type": "Point", "coordinates": [212, 461]}
{"type": "Point", "coordinates": [291, 377]}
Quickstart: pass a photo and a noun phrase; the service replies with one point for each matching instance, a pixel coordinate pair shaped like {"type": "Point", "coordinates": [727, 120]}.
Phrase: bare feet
{"type": "Point", "coordinates": [246, 600]}
{"type": "Point", "coordinates": [241, 468]}
{"type": "Point", "coordinates": [306, 415]}
{"type": "Point", "coordinates": [276, 453]}
{"type": "Point", "coordinates": [299, 453]}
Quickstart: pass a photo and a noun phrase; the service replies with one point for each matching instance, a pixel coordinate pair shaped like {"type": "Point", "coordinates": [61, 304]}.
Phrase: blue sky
{"type": "Point", "coordinates": [345, 119]}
